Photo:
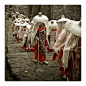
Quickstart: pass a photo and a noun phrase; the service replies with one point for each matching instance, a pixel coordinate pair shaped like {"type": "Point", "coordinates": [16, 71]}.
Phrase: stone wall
{"type": "Point", "coordinates": [51, 11]}
{"type": "Point", "coordinates": [70, 11]}
{"type": "Point", "coordinates": [22, 9]}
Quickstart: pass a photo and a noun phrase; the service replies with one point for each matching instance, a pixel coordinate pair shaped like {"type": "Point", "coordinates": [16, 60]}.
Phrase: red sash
{"type": "Point", "coordinates": [41, 28]}
{"type": "Point", "coordinates": [54, 29]}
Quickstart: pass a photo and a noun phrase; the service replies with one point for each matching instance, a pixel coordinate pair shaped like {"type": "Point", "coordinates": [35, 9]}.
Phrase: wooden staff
{"type": "Point", "coordinates": [73, 64]}
{"type": "Point", "coordinates": [38, 51]}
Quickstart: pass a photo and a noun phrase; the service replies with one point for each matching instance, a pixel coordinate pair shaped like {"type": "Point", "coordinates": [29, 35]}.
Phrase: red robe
{"type": "Point", "coordinates": [42, 57]}
{"type": "Point", "coordinates": [69, 70]}
{"type": "Point", "coordinates": [77, 64]}
{"type": "Point", "coordinates": [55, 57]}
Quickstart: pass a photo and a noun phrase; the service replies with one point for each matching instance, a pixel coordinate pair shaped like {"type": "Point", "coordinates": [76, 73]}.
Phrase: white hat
{"type": "Point", "coordinates": [19, 19]}
{"type": "Point", "coordinates": [14, 16]}
{"type": "Point", "coordinates": [23, 20]}
{"type": "Point", "coordinates": [40, 18]}
{"type": "Point", "coordinates": [32, 22]}
{"type": "Point", "coordinates": [52, 24]}
{"type": "Point", "coordinates": [17, 23]}
{"type": "Point", "coordinates": [74, 27]}
{"type": "Point", "coordinates": [17, 12]}
{"type": "Point", "coordinates": [21, 14]}
{"type": "Point", "coordinates": [25, 16]}
{"type": "Point", "coordinates": [12, 13]}
{"type": "Point", "coordinates": [63, 19]}
{"type": "Point", "coordinates": [16, 20]}
{"type": "Point", "coordinates": [27, 19]}
{"type": "Point", "coordinates": [24, 23]}
{"type": "Point", "coordinates": [28, 26]}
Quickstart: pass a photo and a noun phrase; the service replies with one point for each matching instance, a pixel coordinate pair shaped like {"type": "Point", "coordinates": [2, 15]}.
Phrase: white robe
{"type": "Point", "coordinates": [60, 37]}
{"type": "Point", "coordinates": [21, 32]}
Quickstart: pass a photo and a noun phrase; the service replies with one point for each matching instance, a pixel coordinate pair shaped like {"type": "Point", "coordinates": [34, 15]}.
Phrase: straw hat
{"type": "Point", "coordinates": [40, 18]}
{"type": "Point", "coordinates": [63, 19]}
{"type": "Point", "coordinates": [52, 24]}
{"type": "Point", "coordinates": [74, 27]}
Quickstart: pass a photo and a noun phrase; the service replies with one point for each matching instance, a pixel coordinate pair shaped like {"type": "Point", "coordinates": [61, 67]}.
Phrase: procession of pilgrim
{"type": "Point", "coordinates": [62, 36]}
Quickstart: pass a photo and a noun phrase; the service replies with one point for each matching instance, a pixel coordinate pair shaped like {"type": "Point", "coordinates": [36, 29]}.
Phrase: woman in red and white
{"type": "Point", "coordinates": [52, 27]}
{"type": "Point", "coordinates": [16, 29]}
{"type": "Point", "coordinates": [17, 14]}
{"type": "Point", "coordinates": [38, 38]}
{"type": "Point", "coordinates": [61, 36]}
{"type": "Point", "coordinates": [22, 30]}
{"type": "Point", "coordinates": [25, 40]}
{"type": "Point", "coordinates": [71, 59]}
{"type": "Point", "coordinates": [13, 26]}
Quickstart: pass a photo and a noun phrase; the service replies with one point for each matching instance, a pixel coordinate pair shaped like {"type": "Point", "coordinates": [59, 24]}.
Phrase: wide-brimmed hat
{"type": "Point", "coordinates": [52, 24]}
{"type": "Point", "coordinates": [12, 13]}
{"type": "Point", "coordinates": [17, 12]}
{"type": "Point", "coordinates": [28, 26]}
{"type": "Point", "coordinates": [27, 20]}
{"type": "Point", "coordinates": [18, 23]}
{"type": "Point", "coordinates": [14, 16]}
{"type": "Point", "coordinates": [25, 16]}
{"type": "Point", "coordinates": [22, 20]}
{"type": "Point", "coordinates": [23, 23]}
{"type": "Point", "coordinates": [74, 27]}
{"type": "Point", "coordinates": [32, 22]}
{"type": "Point", "coordinates": [63, 19]}
{"type": "Point", "coordinates": [40, 18]}
{"type": "Point", "coordinates": [16, 20]}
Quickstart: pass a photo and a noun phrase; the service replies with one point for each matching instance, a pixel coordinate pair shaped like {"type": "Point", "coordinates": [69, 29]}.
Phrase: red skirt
{"type": "Point", "coordinates": [55, 57]}
{"type": "Point", "coordinates": [77, 65]}
{"type": "Point", "coordinates": [41, 57]}
{"type": "Point", "coordinates": [17, 38]}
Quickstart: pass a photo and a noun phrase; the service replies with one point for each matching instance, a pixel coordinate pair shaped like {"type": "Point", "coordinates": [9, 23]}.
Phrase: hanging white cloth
{"type": "Point", "coordinates": [70, 43]}
{"type": "Point", "coordinates": [61, 35]}
{"type": "Point", "coordinates": [72, 40]}
{"type": "Point", "coordinates": [37, 21]}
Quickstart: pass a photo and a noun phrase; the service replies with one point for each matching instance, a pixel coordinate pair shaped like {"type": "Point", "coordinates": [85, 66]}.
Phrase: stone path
{"type": "Point", "coordinates": [22, 65]}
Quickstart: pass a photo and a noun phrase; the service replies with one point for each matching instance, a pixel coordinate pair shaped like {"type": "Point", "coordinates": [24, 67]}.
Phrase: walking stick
{"type": "Point", "coordinates": [38, 51]}
{"type": "Point", "coordinates": [73, 64]}
{"type": "Point", "coordinates": [56, 65]}
{"type": "Point", "coordinates": [29, 48]}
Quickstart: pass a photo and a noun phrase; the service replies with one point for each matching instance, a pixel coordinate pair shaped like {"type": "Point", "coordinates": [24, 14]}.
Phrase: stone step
{"type": "Point", "coordinates": [16, 54]}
